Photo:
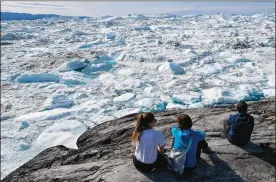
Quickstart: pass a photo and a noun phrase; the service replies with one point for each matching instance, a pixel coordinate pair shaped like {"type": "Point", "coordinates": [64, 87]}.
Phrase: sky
{"type": "Point", "coordinates": [121, 8]}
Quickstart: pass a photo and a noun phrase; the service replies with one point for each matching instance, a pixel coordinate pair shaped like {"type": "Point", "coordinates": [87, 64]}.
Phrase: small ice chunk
{"type": "Point", "coordinates": [72, 78]}
{"type": "Point", "coordinates": [128, 84]}
{"type": "Point", "coordinates": [5, 116]}
{"type": "Point", "coordinates": [40, 77]}
{"type": "Point", "coordinates": [104, 63]}
{"type": "Point", "coordinates": [65, 132]}
{"type": "Point", "coordinates": [79, 32]}
{"type": "Point", "coordinates": [217, 95]}
{"type": "Point", "coordinates": [188, 98]}
{"type": "Point", "coordinates": [72, 65]}
{"type": "Point", "coordinates": [172, 106]}
{"type": "Point", "coordinates": [126, 72]}
{"type": "Point", "coordinates": [58, 101]}
{"type": "Point", "coordinates": [81, 95]}
{"type": "Point", "coordinates": [24, 146]}
{"type": "Point", "coordinates": [148, 92]}
{"type": "Point", "coordinates": [110, 36]}
{"type": "Point", "coordinates": [120, 40]}
{"type": "Point", "coordinates": [125, 112]}
{"type": "Point", "coordinates": [170, 67]}
{"type": "Point", "coordinates": [271, 81]}
{"type": "Point", "coordinates": [107, 78]}
{"type": "Point", "coordinates": [124, 98]}
{"type": "Point", "coordinates": [165, 98]}
{"type": "Point", "coordinates": [269, 93]}
{"type": "Point", "coordinates": [23, 125]}
{"type": "Point", "coordinates": [151, 104]}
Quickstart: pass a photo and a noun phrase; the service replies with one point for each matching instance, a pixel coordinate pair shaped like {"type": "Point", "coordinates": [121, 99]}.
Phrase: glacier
{"type": "Point", "coordinates": [60, 76]}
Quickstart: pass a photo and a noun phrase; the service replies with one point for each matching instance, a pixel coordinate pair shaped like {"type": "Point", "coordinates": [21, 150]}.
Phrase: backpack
{"type": "Point", "coordinates": [177, 158]}
{"type": "Point", "coordinates": [243, 130]}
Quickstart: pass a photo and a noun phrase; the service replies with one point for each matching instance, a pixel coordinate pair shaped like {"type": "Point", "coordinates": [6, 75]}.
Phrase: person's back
{"type": "Point", "coordinates": [183, 135]}
{"type": "Point", "coordinates": [146, 149]}
{"type": "Point", "coordinates": [240, 126]}
{"type": "Point", "coordinates": [181, 139]}
{"type": "Point", "coordinates": [149, 144]}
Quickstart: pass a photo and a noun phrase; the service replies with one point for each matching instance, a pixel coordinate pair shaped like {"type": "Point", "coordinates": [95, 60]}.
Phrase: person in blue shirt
{"type": "Point", "coordinates": [239, 127]}
{"type": "Point", "coordinates": [181, 136]}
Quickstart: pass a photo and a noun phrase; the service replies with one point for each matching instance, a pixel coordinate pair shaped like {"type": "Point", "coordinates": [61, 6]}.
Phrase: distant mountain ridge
{"type": "Point", "coordinates": [27, 16]}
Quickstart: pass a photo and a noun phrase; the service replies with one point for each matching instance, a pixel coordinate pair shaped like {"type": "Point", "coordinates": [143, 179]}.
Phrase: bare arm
{"type": "Point", "coordinates": [172, 144]}
{"type": "Point", "coordinates": [161, 149]}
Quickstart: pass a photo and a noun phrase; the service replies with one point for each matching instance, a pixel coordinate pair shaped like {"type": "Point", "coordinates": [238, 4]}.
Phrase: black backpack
{"type": "Point", "coordinates": [244, 128]}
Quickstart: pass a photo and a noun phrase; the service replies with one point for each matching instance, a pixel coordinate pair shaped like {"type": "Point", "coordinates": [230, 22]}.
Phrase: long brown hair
{"type": "Point", "coordinates": [184, 122]}
{"type": "Point", "coordinates": [143, 121]}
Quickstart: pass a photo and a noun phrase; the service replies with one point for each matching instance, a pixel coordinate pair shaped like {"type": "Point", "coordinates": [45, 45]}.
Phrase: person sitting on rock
{"type": "Point", "coordinates": [149, 144]}
{"type": "Point", "coordinates": [239, 127]}
{"type": "Point", "coordinates": [182, 135]}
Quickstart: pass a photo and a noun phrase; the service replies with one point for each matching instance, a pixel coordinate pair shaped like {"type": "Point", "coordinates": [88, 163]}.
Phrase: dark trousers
{"type": "Point", "coordinates": [160, 162]}
{"type": "Point", "coordinates": [200, 145]}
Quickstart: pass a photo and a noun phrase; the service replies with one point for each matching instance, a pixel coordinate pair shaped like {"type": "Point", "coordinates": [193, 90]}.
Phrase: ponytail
{"type": "Point", "coordinates": [142, 124]}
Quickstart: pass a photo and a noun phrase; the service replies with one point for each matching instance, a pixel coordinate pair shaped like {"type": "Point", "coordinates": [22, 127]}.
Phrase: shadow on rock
{"type": "Point", "coordinates": [266, 154]}
{"type": "Point", "coordinates": [210, 168]}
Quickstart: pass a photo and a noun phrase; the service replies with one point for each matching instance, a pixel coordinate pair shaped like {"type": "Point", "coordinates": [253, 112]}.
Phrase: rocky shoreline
{"type": "Point", "coordinates": [105, 151]}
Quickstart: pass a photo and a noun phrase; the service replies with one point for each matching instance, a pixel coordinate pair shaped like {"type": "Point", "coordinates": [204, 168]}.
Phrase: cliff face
{"type": "Point", "coordinates": [105, 151]}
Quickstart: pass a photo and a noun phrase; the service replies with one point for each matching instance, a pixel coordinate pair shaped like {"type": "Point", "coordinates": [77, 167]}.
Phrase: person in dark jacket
{"type": "Point", "coordinates": [239, 127]}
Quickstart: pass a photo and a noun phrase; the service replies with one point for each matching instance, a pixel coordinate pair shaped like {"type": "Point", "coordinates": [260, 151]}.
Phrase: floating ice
{"type": "Point", "coordinates": [271, 81]}
{"type": "Point", "coordinates": [24, 146]}
{"type": "Point", "coordinates": [79, 32]}
{"type": "Point", "coordinates": [188, 98]}
{"type": "Point", "coordinates": [81, 95]}
{"type": "Point", "coordinates": [61, 133]}
{"type": "Point", "coordinates": [173, 106]}
{"type": "Point", "coordinates": [110, 36]}
{"type": "Point", "coordinates": [217, 95]}
{"type": "Point", "coordinates": [166, 99]}
{"type": "Point", "coordinates": [124, 98]}
{"type": "Point", "coordinates": [148, 92]}
{"type": "Point", "coordinates": [23, 125]}
{"type": "Point", "coordinates": [72, 78]}
{"type": "Point", "coordinates": [58, 101]}
{"type": "Point", "coordinates": [124, 112]}
{"type": "Point", "coordinates": [151, 104]}
{"type": "Point", "coordinates": [269, 93]}
{"type": "Point", "coordinates": [126, 72]}
{"type": "Point", "coordinates": [72, 65]}
{"type": "Point", "coordinates": [10, 36]}
{"type": "Point", "coordinates": [104, 63]}
{"type": "Point", "coordinates": [128, 84]}
{"type": "Point", "coordinates": [173, 68]}
{"type": "Point", "coordinates": [120, 40]}
{"type": "Point", "coordinates": [40, 77]}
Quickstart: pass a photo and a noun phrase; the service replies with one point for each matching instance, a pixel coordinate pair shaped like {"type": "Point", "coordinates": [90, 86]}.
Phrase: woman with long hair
{"type": "Point", "coordinates": [149, 144]}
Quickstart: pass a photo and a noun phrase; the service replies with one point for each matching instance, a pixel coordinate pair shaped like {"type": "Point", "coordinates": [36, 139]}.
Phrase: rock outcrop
{"type": "Point", "coordinates": [105, 151]}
